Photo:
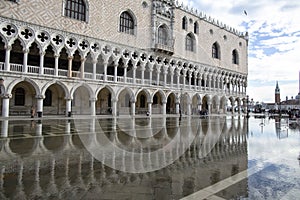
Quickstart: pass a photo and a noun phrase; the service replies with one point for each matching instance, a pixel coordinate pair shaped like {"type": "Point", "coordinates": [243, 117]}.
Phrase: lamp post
{"type": "Point", "coordinates": [248, 109]}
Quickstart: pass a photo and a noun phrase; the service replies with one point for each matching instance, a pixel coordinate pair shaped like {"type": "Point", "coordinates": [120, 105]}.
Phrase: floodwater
{"type": "Point", "coordinates": [218, 157]}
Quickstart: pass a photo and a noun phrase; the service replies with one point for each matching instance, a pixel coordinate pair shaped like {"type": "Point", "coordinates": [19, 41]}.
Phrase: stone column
{"type": "Point", "coordinates": [94, 68]}
{"type": "Point", "coordinates": [177, 107]}
{"type": "Point", "coordinates": [172, 78]}
{"type": "Point", "coordinates": [25, 60]}
{"type": "Point", "coordinates": [150, 76]}
{"type": "Point", "coordinates": [114, 107]}
{"type": "Point", "coordinates": [184, 76]}
{"type": "Point", "coordinates": [125, 73]}
{"type": "Point", "coordinates": [164, 107]}
{"type": "Point", "coordinates": [93, 106]}
{"type": "Point", "coordinates": [150, 108]}
{"type": "Point", "coordinates": [82, 67]}
{"type": "Point", "coordinates": [115, 71]}
{"type": "Point", "coordinates": [178, 78]}
{"type": "Point", "coordinates": [143, 72]}
{"type": "Point", "coordinates": [133, 108]}
{"type": "Point", "coordinates": [190, 79]}
{"type": "Point", "coordinates": [165, 72]}
{"type": "Point", "coordinates": [105, 63]}
{"type": "Point", "coordinates": [42, 56]}
{"type": "Point", "coordinates": [4, 128]}
{"type": "Point", "coordinates": [189, 110]}
{"type": "Point", "coordinates": [5, 105]}
{"type": "Point", "coordinates": [157, 74]}
{"type": "Point", "coordinates": [70, 58]}
{"type": "Point", "coordinates": [68, 107]}
{"type": "Point", "coordinates": [209, 107]}
{"type": "Point", "coordinates": [56, 57]}
{"type": "Point", "coordinates": [134, 73]}
{"type": "Point", "coordinates": [40, 101]}
{"type": "Point", "coordinates": [7, 57]}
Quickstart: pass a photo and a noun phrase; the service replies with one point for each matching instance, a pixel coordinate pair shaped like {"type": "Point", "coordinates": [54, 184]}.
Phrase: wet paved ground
{"type": "Point", "coordinates": [149, 158]}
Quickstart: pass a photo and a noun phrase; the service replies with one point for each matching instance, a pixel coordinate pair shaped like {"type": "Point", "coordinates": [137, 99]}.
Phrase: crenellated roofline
{"type": "Point", "coordinates": [203, 16]}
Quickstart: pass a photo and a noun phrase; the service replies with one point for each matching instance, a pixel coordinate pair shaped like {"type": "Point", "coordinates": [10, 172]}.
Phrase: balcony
{"type": "Point", "coordinates": [164, 48]}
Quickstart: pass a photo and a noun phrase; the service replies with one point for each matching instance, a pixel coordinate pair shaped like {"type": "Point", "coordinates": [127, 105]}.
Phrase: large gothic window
{"type": "Point", "coordinates": [190, 42]}
{"type": "Point", "coordinates": [163, 35]}
{"type": "Point", "coordinates": [126, 23]}
{"type": "Point", "coordinates": [76, 9]}
{"type": "Point", "coordinates": [235, 57]}
{"type": "Point", "coordinates": [216, 50]}
{"type": "Point", "coordinates": [19, 97]}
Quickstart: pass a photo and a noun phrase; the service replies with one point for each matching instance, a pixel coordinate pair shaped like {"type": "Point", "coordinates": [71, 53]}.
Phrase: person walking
{"type": "Point", "coordinates": [32, 111]}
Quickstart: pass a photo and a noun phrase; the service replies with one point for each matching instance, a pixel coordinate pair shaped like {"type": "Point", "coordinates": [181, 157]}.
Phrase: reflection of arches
{"type": "Point", "coordinates": [17, 146]}
{"type": "Point", "coordinates": [171, 104]}
{"type": "Point", "coordinates": [103, 105]}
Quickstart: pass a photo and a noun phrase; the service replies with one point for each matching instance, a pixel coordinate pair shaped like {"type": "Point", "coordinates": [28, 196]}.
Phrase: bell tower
{"type": "Point", "coordinates": [277, 94]}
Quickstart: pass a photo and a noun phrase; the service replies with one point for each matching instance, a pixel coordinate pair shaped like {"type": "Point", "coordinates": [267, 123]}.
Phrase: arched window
{"type": "Point", "coordinates": [235, 57]}
{"type": "Point", "coordinates": [19, 97]}
{"type": "Point", "coordinates": [196, 28]}
{"type": "Point", "coordinates": [190, 42]}
{"type": "Point", "coordinates": [163, 35]}
{"type": "Point", "coordinates": [184, 23]}
{"type": "Point", "coordinates": [216, 50]}
{"type": "Point", "coordinates": [76, 9]}
{"type": "Point", "coordinates": [126, 23]}
{"type": "Point", "coordinates": [48, 98]}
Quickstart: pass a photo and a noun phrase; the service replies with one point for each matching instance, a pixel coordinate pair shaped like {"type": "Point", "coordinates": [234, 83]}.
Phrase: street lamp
{"type": "Point", "coordinates": [248, 109]}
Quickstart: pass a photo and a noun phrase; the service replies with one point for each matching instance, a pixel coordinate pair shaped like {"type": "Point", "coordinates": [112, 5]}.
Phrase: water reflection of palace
{"type": "Point", "coordinates": [50, 160]}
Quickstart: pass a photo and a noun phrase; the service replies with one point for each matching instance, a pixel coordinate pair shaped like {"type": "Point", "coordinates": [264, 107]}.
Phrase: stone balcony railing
{"type": "Point", "coordinates": [50, 72]}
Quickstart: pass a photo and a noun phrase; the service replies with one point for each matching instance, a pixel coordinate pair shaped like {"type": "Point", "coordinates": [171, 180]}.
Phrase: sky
{"type": "Point", "coordinates": [274, 41]}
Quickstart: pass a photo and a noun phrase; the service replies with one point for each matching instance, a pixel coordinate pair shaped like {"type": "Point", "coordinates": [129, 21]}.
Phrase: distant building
{"type": "Point", "coordinates": [288, 104]}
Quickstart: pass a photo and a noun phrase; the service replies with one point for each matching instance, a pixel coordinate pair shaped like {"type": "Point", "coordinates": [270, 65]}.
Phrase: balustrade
{"type": "Point", "coordinates": [62, 72]}
{"type": "Point", "coordinates": [33, 69]}
{"type": "Point", "coordinates": [16, 67]}
{"type": "Point", "coordinates": [120, 79]}
{"type": "Point", "coordinates": [49, 71]}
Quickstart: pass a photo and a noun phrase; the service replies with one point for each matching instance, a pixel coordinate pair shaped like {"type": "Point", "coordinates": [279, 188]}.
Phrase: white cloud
{"type": "Point", "coordinates": [274, 44]}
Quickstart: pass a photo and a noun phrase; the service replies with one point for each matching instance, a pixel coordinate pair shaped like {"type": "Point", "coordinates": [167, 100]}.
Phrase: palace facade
{"type": "Point", "coordinates": [118, 57]}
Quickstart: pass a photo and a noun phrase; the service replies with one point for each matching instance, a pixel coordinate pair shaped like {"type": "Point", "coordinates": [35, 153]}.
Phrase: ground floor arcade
{"type": "Point", "coordinates": [55, 97]}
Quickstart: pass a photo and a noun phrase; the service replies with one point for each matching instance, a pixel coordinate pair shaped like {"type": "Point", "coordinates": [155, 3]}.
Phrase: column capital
{"type": "Point", "coordinates": [68, 98]}
{"type": "Point", "coordinates": [40, 96]}
{"type": "Point", "coordinates": [6, 96]}
{"type": "Point", "coordinates": [93, 99]}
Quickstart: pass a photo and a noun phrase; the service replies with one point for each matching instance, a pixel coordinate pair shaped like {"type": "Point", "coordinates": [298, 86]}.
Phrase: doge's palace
{"type": "Point", "coordinates": [101, 57]}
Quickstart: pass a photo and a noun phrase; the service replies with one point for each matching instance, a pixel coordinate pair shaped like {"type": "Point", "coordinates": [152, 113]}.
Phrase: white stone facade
{"type": "Point", "coordinates": [63, 65]}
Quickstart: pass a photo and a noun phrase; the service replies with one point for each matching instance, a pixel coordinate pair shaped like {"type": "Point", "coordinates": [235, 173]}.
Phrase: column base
{"type": "Point", "coordinates": [39, 114]}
